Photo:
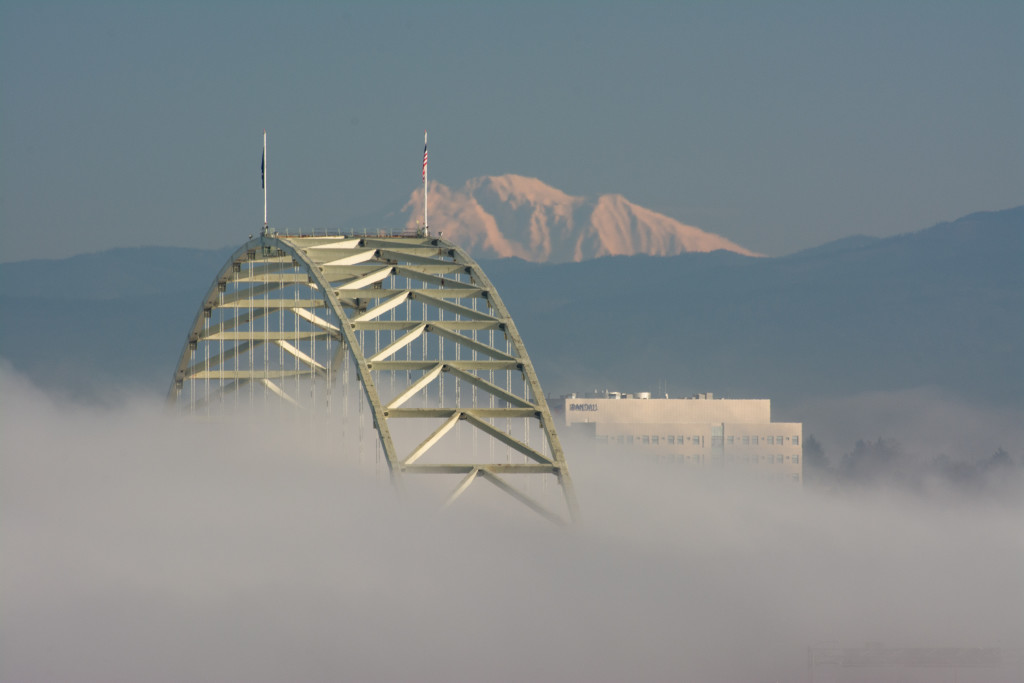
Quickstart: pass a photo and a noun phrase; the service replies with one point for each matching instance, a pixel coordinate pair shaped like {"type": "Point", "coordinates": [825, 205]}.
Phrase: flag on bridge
{"type": "Point", "coordinates": [263, 178]}
{"type": "Point", "coordinates": [424, 176]}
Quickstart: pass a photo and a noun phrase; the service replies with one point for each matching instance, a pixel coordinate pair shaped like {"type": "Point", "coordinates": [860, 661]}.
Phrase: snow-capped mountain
{"type": "Point", "coordinates": [511, 215]}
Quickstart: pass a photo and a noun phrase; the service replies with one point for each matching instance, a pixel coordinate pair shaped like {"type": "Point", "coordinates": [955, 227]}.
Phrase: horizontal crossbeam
{"type": "Point", "coordinates": [217, 359]}
{"type": "Point", "coordinates": [268, 304]}
{"type": "Point", "coordinates": [367, 295]}
{"type": "Point", "coordinates": [497, 468]}
{"type": "Point", "coordinates": [257, 374]}
{"type": "Point", "coordinates": [294, 278]}
{"type": "Point", "coordinates": [450, 325]}
{"type": "Point", "coordinates": [448, 412]}
{"type": "Point", "coordinates": [261, 335]}
{"type": "Point", "coordinates": [412, 365]}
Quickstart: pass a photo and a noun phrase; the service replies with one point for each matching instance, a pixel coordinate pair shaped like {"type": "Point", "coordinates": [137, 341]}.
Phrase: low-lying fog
{"type": "Point", "coordinates": [142, 547]}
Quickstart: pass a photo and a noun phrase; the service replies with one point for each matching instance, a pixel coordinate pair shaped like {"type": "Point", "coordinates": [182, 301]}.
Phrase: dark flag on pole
{"type": "Point", "coordinates": [263, 178]}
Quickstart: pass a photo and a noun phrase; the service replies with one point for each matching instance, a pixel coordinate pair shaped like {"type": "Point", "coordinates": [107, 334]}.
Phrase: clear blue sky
{"type": "Point", "coordinates": [780, 125]}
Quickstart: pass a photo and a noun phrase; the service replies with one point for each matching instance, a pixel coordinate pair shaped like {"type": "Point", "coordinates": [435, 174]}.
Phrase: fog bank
{"type": "Point", "coordinates": [139, 546]}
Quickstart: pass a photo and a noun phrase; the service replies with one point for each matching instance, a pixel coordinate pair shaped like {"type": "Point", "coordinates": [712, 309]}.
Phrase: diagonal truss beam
{"type": "Point", "coordinates": [389, 305]}
{"type": "Point", "coordinates": [493, 389]}
{"type": "Point", "coordinates": [434, 437]}
{"type": "Point", "coordinates": [299, 354]}
{"type": "Point", "coordinates": [366, 280]}
{"type": "Point", "coordinates": [463, 311]}
{"type": "Point", "coordinates": [400, 343]}
{"type": "Point", "coordinates": [520, 496]}
{"type": "Point", "coordinates": [415, 387]}
{"type": "Point", "coordinates": [469, 342]}
{"type": "Point", "coordinates": [501, 436]}
{"type": "Point", "coordinates": [278, 391]}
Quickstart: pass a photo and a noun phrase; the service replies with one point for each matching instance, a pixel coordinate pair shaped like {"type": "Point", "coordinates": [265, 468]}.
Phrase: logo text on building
{"type": "Point", "coordinates": [584, 407]}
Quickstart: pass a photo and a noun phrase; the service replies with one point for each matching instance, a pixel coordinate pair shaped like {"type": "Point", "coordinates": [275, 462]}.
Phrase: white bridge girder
{"type": "Point", "coordinates": [433, 349]}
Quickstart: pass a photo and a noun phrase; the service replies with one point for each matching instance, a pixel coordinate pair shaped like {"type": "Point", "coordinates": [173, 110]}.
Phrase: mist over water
{"type": "Point", "coordinates": [142, 546]}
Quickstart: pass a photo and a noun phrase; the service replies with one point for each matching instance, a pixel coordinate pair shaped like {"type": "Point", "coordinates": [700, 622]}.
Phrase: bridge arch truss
{"type": "Point", "coordinates": [410, 330]}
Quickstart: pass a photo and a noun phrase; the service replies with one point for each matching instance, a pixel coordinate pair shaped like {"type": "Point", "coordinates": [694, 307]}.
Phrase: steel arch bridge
{"type": "Point", "coordinates": [410, 329]}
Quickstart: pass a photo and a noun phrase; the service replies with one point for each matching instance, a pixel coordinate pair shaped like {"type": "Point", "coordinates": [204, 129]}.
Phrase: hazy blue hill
{"type": "Point", "coordinates": [941, 307]}
{"type": "Point", "coordinates": [114, 273]}
{"type": "Point", "coordinates": [840, 245]}
{"type": "Point", "coordinates": [938, 307]}
{"type": "Point", "coordinates": [88, 347]}
{"type": "Point", "coordinates": [116, 317]}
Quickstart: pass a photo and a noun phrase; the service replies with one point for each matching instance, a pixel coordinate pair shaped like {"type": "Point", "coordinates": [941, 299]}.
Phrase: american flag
{"type": "Point", "coordinates": [424, 175]}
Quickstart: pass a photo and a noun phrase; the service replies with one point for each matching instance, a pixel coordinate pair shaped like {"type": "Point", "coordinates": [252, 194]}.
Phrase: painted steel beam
{"type": "Point", "coordinates": [388, 292]}
{"type": "Point", "coordinates": [463, 485]}
{"type": "Point", "coordinates": [506, 439]}
{"type": "Point", "coordinates": [279, 278]}
{"type": "Point", "coordinates": [521, 497]}
{"type": "Point", "coordinates": [434, 437]}
{"type": "Point", "coordinates": [400, 343]}
{"type": "Point", "coordinates": [448, 412]}
{"type": "Point", "coordinates": [278, 391]}
{"type": "Point", "coordinates": [469, 343]}
{"type": "Point", "coordinates": [415, 388]}
{"type": "Point", "coordinates": [497, 468]}
{"type": "Point", "coordinates": [217, 359]}
{"type": "Point", "coordinates": [273, 304]}
{"type": "Point", "coordinates": [414, 273]}
{"type": "Point", "coordinates": [249, 374]}
{"type": "Point", "coordinates": [389, 305]}
{"type": "Point", "coordinates": [261, 335]}
{"type": "Point", "coordinates": [426, 297]}
{"type": "Point", "coordinates": [493, 389]}
{"type": "Point", "coordinates": [449, 325]}
{"type": "Point", "coordinates": [299, 354]}
{"type": "Point", "coordinates": [316, 320]}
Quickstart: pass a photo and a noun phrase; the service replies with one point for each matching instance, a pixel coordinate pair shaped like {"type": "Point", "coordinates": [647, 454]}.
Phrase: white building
{"type": "Point", "coordinates": [701, 431]}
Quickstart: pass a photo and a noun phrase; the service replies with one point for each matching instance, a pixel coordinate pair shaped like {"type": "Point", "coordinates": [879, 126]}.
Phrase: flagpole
{"type": "Point", "coordinates": [426, 225]}
{"type": "Point", "coordinates": [264, 178]}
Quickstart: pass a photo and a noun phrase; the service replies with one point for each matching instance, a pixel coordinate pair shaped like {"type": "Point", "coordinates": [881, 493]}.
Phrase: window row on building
{"type": "Point", "coordinates": [764, 459]}
{"type": "Point", "coordinates": [696, 440]}
{"type": "Point", "coordinates": [754, 440]}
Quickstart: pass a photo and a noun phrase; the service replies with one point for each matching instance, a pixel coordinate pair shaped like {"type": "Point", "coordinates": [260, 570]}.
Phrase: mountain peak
{"type": "Point", "coordinates": [518, 189]}
{"type": "Point", "coordinates": [517, 216]}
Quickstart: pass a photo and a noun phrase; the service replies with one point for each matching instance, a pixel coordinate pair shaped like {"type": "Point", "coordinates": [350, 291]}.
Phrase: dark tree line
{"type": "Point", "coordinates": [887, 462]}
